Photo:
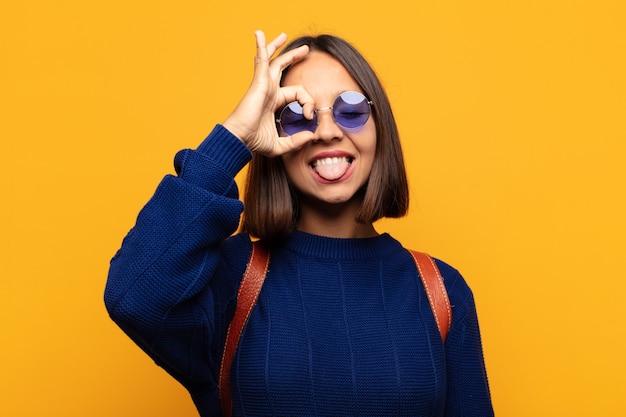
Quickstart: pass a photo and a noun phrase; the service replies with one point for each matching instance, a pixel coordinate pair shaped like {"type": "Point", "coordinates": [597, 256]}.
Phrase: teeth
{"type": "Point", "coordinates": [330, 161]}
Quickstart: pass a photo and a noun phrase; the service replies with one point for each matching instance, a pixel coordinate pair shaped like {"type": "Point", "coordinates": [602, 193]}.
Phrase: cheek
{"type": "Point", "coordinates": [292, 165]}
{"type": "Point", "coordinates": [368, 142]}
{"type": "Point", "coordinates": [368, 153]}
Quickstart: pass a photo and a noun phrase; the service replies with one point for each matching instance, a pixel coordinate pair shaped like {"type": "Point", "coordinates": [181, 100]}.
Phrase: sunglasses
{"type": "Point", "coordinates": [351, 110]}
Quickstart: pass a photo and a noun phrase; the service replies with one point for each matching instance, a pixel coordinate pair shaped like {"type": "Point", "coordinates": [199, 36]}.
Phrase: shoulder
{"type": "Point", "coordinates": [235, 252]}
{"type": "Point", "coordinates": [452, 277]}
{"type": "Point", "coordinates": [459, 291]}
{"type": "Point", "coordinates": [453, 280]}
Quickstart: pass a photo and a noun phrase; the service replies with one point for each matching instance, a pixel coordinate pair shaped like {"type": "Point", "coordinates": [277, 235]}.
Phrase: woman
{"type": "Point", "coordinates": [342, 326]}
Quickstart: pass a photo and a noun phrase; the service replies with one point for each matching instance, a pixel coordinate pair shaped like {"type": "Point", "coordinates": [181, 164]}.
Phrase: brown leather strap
{"type": "Point", "coordinates": [435, 290]}
{"type": "Point", "coordinates": [249, 290]}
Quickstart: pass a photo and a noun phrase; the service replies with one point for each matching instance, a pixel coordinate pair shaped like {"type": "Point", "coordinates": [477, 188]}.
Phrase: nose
{"type": "Point", "coordinates": [327, 129]}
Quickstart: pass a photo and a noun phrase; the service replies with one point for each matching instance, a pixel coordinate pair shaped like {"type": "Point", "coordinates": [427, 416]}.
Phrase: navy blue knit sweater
{"type": "Point", "coordinates": [342, 327]}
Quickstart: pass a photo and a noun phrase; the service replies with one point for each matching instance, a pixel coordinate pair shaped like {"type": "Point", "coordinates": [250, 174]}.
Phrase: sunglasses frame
{"type": "Point", "coordinates": [315, 119]}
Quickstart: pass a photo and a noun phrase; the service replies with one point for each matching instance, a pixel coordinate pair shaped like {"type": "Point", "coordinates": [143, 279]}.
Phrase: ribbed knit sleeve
{"type": "Point", "coordinates": [158, 289]}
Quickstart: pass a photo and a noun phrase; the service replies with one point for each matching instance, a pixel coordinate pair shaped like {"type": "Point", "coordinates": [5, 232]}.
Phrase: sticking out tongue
{"type": "Point", "coordinates": [332, 169]}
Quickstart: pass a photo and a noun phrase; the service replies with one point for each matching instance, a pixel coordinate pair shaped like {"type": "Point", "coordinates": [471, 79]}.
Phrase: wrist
{"type": "Point", "coordinates": [235, 129]}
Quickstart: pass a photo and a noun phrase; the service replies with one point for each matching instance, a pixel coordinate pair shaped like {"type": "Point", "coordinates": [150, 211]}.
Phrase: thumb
{"type": "Point", "coordinates": [296, 141]}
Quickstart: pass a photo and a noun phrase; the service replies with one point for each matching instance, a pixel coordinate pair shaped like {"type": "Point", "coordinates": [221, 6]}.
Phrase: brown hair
{"type": "Point", "coordinates": [271, 205]}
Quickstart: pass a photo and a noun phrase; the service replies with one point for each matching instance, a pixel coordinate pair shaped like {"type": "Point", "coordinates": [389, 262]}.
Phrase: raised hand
{"type": "Point", "coordinates": [253, 120]}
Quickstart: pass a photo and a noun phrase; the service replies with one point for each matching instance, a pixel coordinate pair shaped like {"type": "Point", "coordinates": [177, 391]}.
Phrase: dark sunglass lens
{"type": "Point", "coordinates": [293, 121]}
{"type": "Point", "coordinates": [351, 110]}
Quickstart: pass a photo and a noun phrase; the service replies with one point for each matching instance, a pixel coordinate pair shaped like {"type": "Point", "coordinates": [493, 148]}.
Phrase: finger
{"type": "Point", "coordinates": [261, 50]}
{"type": "Point", "coordinates": [297, 141]}
{"type": "Point", "coordinates": [265, 50]}
{"type": "Point", "coordinates": [276, 43]}
{"type": "Point", "coordinates": [301, 95]}
{"type": "Point", "coordinates": [291, 143]}
{"type": "Point", "coordinates": [289, 58]}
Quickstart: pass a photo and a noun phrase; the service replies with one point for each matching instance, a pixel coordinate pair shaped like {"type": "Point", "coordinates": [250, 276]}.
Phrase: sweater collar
{"type": "Point", "coordinates": [340, 248]}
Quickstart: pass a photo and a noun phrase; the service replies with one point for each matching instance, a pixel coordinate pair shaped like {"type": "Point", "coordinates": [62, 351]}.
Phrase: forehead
{"type": "Point", "coordinates": [321, 73]}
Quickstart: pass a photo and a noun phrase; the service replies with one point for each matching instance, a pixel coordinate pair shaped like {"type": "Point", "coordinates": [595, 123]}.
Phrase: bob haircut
{"type": "Point", "coordinates": [271, 204]}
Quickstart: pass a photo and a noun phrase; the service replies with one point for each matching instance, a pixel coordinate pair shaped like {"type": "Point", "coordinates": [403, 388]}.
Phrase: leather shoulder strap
{"type": "Point", "coordinates": [247, 296]}
{"type": "Point", "coordinates": [436, 291]}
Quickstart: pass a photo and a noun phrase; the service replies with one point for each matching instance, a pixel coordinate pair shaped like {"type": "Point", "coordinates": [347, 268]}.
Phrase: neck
{"type": "Point", "coordinates": [333, 220]}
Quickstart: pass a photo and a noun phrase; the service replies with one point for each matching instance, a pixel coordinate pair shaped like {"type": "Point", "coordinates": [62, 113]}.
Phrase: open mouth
{"type": "Point", "coordinates": [331, 169]}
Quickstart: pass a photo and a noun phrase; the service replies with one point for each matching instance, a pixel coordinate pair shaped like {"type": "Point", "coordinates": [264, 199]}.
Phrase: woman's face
{"type": "Point", "coordinates": [336, 164]}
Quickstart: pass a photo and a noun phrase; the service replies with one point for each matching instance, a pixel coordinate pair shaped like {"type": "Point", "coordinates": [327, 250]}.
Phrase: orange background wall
{"type": "Point", "coordinates": [512, 115]}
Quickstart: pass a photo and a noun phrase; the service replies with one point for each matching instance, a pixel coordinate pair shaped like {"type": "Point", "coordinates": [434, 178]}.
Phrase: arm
{"type": "Point", "coordinates": [157, 286]}
{"type": "Point", "coordinates": [175, 276]}
{"type": "Point", "coordinates": [467, 385]}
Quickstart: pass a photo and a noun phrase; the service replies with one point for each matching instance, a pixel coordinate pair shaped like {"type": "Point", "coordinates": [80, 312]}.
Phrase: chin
{"type": "Point", "coordinates": [339, 199]}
